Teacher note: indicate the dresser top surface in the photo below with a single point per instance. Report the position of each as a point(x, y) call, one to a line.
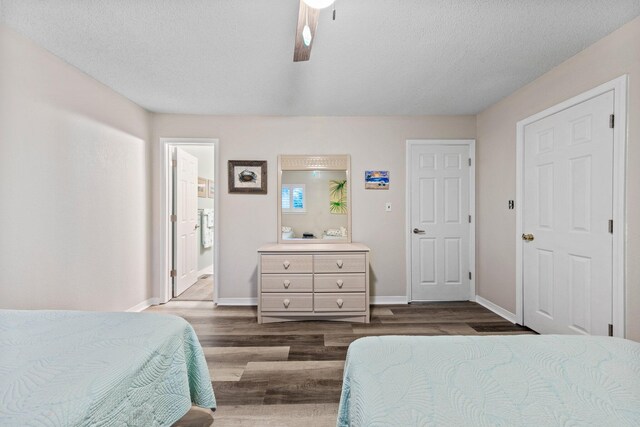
point(314, 247)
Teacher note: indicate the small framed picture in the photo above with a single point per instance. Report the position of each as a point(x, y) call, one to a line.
point(202, 187)
point(210, 188)
point(376, 180)
point(248, 176)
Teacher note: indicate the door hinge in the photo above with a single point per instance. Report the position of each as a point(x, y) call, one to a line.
point(611, 226)
point(469, 161)
point(174, 163)
point(173, 218)
point(469, 275)
point(173, 273)
point(612, 121)
point(469, 219)
point(610, 330)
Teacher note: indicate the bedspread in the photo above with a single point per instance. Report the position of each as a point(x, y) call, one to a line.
point(491, 381)
point(70, 368)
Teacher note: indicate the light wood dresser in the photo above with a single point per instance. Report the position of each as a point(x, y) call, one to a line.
point(313, 281)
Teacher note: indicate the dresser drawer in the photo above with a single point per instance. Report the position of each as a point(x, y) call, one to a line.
point(340, 282)
point(287, 283)
point(339, 302)
point(339, 263)
point(286, 263)
point(287, 302)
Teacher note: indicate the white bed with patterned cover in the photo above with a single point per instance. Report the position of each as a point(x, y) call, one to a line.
point(522, 380)
point(71, 368)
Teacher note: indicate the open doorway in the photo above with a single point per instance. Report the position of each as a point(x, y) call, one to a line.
point(190, 203)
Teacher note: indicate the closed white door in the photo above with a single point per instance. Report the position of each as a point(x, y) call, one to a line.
point(186, 224)
point(440, 222)
point(568, 200)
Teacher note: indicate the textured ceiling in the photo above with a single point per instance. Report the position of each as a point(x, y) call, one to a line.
point(380, 57)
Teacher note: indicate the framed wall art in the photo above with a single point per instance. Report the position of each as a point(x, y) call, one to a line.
point(376, 180)
point(202, 187)
point(248, 176)
point(210, 188)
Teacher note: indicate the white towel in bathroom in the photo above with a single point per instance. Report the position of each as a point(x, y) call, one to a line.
point(209, 214)
point(207, 228)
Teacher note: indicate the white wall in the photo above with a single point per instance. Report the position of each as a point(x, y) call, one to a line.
point(74, 187)
point(611, 57)
point(206, 170)
point(249, 221)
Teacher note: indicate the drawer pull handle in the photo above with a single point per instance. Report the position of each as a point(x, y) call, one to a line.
point(339, 283)
point(286, 284)
point(286, 303)
point(339, 302)
point(339, 263)
point(286, 264)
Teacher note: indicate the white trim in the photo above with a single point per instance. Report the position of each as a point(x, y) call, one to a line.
point(496, 309)
point(384, 300)
point(206, 270)
point(164, 284)
point(143, 305)
point(238, 301)
point(472, 206)
point(619, 87)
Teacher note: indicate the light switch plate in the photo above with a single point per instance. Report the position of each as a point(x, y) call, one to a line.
point(387, 207)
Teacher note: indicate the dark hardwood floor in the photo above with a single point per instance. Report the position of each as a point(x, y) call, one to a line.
point(290, 374)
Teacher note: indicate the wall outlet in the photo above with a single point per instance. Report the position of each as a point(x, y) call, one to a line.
point(387, 207)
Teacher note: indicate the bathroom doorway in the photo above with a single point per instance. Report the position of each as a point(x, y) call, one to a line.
point(191, 249)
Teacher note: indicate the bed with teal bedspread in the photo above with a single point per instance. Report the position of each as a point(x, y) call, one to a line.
point(522, 380)
point(70, 368)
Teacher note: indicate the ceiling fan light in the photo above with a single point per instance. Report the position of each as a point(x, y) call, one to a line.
point(306, 35)
point(318, 4)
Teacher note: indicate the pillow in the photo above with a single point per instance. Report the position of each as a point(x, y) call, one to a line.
point(334, 232)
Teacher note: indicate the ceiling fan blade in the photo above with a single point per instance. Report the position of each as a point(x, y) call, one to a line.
point(306, 16)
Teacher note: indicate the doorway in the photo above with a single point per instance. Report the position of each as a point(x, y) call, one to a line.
point(570, 212)
point(190, 201)
point(441, 220)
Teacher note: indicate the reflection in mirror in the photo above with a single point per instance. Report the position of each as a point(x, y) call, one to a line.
point(314, 204)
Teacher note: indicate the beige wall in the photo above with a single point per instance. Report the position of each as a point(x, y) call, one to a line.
point(249, 221)
point(74, 187)
point(611, 57)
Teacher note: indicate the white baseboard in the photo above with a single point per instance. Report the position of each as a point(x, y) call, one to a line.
point(144, 304)
point(496, 309)
point(388, 300)
point(237, 301)
point(206, 270)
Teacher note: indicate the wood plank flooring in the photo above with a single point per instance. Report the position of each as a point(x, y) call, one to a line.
point(290, 374)
point(202, 290)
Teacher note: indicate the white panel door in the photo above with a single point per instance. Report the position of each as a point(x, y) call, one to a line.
point(440, 222)
point(567, 205)
point(186, 225)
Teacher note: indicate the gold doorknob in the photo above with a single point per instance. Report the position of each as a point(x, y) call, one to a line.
point(527, 237)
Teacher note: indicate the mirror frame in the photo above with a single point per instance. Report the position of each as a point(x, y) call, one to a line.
point(336, 162)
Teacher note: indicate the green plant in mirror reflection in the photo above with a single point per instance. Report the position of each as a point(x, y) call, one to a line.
point(338, 196)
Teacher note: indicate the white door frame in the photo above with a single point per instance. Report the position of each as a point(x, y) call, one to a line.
point(166, 196)
point(472, 207)
point(619, 87)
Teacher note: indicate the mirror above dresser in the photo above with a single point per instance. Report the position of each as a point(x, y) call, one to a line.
point(314, 199)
